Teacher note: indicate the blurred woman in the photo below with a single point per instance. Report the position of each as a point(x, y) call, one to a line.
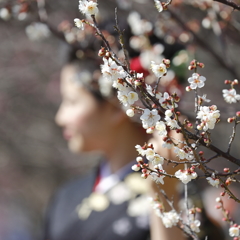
point(109, 202)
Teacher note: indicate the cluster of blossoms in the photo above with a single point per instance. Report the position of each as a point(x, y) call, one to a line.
point(170, 218)
point(208, 117)
point(159, 113)
point(186, 175)
point(155, 159)
point(194, 223)
point(184, 153)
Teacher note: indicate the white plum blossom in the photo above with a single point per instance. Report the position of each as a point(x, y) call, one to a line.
point(234, 231)
point(230, 95)
point(168, 113)
point(140, 150)
point(78, 23)
point(127, 97)
point(112, 71)
point(165, 102)
point(88, 7)
point(170, 219)
point(194, 225)
point(208, 117)
point(213, 181)
point(196, 81)
point(149, 118)
point(184, 153)
point(150, 154)
point(185, 175)
point(161, 127)
point(158, 177)
point(172, 123)
point(158, 5)
point(180, 153)
point(149, 89)
point(157, 160)
point(158, 69)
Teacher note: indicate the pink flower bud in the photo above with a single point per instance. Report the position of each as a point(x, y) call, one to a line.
point(226, 170)
point(230, 120)
point(238, 113)
point(102, 52)
point(222, 194)
point(227, 82)
point(144, 176)
point(166, 61)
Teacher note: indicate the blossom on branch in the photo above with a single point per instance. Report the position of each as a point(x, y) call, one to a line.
point(158, 69)
point(161, 127)
point(234, 231)
point(158, 177)
point(112, 71)
point(230, 95)
point(213, 181)
point(149, 118)
point(79, 24)
point(208, 117)
point(127, 97)
point(158, 5)
point(170, 219)
point(88, 7)
point(196, 81)
point(186, 175)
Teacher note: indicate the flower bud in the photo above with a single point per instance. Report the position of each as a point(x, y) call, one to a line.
point(108, 54)
point(227, 82)
point(238, 113)
point(135, 167)
point(189, 125)
point(166, 61)
point(139, 160)
point(144, 176)
point(102, 52)
point(230, 120)
point(228, 181)
point(218, 206)
point(188, 89)
point(222, 194)
point(226, 170)
point(137, 82)
point(201, 65)
point(150, 130)
point(130, 112)
point(235, 82)
point(218, 199)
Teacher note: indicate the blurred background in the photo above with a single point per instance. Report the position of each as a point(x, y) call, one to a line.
point(34, 158)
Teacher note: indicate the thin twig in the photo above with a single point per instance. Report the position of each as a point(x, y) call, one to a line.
point(229, 3)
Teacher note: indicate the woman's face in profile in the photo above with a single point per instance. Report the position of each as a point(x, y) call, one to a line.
point(83, 119)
